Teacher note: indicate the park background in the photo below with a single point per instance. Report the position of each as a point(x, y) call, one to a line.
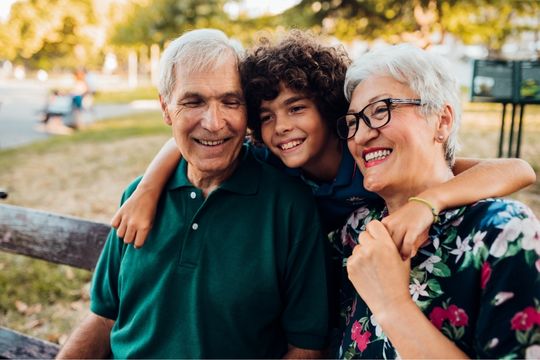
point(83, 174)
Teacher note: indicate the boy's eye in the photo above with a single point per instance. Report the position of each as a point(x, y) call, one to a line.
point(297, 108)
point(265, 117)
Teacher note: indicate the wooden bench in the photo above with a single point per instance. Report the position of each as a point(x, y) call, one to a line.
point(51, 237)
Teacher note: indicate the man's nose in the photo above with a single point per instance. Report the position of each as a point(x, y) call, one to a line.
point(213, 119)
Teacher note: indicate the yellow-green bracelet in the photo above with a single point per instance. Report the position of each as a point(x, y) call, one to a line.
point(428, 204)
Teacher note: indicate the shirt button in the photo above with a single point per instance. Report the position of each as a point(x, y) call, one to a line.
point(195, 226)
point(193, 195)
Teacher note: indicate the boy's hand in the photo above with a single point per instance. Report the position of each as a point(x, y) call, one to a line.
point(135, 218)
point(409, 227)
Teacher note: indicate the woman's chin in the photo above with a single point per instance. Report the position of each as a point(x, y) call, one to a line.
point(373, 186)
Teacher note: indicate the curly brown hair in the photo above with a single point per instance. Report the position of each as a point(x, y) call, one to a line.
point(301, 64)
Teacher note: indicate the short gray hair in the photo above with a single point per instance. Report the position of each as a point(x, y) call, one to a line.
point(425, 73)
point(196, 50)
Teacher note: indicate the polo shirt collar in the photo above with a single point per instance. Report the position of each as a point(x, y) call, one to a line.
point(244, 180)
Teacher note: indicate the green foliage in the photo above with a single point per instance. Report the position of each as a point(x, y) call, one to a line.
point(162, 20)
point(488, 22)
point(49, 33)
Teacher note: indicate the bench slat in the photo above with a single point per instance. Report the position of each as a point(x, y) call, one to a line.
point(55, 238)
point(14, 345)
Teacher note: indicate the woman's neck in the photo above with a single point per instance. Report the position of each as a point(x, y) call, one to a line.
point(397, 197)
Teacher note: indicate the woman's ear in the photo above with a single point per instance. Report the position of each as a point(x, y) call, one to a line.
point(165, 111)
point(445, 123)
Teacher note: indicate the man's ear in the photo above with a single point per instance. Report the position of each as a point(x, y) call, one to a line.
point(445, 122)
point(165, 111)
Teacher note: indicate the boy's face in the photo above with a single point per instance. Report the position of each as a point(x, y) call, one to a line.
point(294, 130)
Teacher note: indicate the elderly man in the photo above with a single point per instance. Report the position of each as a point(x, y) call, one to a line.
point(234, 268)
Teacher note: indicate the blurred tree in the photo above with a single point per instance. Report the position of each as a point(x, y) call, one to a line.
point(426, 22)
point(161, 20)
point(49, 33)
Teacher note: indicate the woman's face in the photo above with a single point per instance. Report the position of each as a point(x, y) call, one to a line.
point(398, 156)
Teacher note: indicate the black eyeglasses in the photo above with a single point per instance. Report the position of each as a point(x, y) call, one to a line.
point(375, 115)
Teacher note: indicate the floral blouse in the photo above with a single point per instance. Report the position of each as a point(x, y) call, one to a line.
point(477, 280)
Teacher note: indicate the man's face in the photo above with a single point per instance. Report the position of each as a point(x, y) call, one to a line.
point(208, 118)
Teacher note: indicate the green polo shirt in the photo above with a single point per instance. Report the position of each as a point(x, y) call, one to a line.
point(239, 274)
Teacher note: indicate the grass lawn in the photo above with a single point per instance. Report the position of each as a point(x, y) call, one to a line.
point(84, 174)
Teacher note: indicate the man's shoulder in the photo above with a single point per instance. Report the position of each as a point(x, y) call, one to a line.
point(130, 189)
point(275, 179)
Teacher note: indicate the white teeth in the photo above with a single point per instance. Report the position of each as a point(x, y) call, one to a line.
point(291, 144)
point(211, 143)
point(377, 155)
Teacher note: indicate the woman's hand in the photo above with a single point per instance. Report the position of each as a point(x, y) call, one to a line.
point(409, 227)
point(377, 271)
point(135, 218)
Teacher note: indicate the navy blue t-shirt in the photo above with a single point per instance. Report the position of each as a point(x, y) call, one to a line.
point(336, 199)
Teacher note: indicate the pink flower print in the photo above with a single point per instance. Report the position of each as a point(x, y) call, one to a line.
point(437, 316)
point(537, 264)
point(524, 320)
point(361, 339)
point(356, 330)
point(486, 274)
point(347, 240)
point(457, 316)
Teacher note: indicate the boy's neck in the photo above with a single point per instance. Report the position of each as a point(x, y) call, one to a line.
point(325, 168)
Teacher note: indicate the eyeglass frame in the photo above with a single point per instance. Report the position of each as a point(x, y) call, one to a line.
point(360, 114)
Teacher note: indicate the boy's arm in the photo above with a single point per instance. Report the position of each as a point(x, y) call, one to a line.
point(91, 340)
point(474, 180)
point(135, 217)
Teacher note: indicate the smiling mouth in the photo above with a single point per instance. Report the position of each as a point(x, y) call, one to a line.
point(377, 155)
point(210, 142)
point(290, 145)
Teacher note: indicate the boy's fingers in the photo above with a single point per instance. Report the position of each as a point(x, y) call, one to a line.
point(115, 222)
point(130, 235)
point(121, 230)
point(140, 238)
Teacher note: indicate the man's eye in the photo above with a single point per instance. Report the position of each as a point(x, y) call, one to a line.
point(234, 104)
point(192, 103)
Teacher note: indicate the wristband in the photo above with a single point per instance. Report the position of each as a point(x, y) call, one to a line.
point(428, 204)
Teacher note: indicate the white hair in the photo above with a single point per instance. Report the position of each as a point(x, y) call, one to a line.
point(196, 50)
point(425, 73)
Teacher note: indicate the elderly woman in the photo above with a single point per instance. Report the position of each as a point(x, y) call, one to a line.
point(473, 288)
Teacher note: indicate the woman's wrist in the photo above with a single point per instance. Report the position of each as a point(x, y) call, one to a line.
point(434, 198)
point(392, 313)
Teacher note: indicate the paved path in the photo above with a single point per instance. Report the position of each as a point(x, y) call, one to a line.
point(20, 106)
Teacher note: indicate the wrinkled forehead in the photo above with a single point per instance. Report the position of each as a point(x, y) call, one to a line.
point(221, 76)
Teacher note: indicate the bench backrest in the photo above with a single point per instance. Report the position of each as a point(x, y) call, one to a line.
point(56, 238)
